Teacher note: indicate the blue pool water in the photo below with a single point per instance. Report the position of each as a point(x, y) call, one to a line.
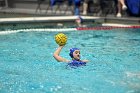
point(27, 64)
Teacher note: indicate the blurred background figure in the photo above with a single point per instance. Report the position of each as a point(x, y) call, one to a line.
point(85, 7)
point(134, 7)
point(79, 21)
point(77, 4)
point(121, 6)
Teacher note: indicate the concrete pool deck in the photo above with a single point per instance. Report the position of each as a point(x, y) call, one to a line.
point(59, 19)
point(45, 19)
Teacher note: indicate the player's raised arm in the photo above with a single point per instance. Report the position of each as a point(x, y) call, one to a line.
point(61, 40)
point(57, 56)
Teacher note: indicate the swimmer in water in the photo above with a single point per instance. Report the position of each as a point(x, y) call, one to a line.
point(74, 54)
point(79, 21)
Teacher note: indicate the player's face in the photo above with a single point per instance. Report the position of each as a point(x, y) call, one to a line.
point(76, 54)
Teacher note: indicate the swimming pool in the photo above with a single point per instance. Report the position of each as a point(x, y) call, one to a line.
point(27, 64)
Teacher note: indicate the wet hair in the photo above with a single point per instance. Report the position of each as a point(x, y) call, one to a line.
point(71, 51)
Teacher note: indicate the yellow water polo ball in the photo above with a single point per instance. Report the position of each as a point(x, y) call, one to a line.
point(61, 39)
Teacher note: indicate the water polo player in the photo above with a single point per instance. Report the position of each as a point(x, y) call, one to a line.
point(74, 54)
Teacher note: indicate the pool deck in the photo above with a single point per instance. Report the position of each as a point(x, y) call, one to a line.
point(60, 19)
